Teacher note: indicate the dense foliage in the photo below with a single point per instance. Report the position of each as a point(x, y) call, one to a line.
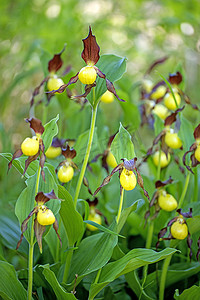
point(101, 139)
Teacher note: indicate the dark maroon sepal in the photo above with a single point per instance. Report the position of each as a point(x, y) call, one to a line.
point(160, 183)
point(17, 154)
point(172, 118)
point(197, 132)
point(175, 78)
point(45, 197)
point(111, 89)
point(91, 49)
point(29, 160)
point(24, 225)
point(56, 62)
point(36, 125)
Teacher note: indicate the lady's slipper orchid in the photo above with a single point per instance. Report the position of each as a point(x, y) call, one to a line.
point(43, 216)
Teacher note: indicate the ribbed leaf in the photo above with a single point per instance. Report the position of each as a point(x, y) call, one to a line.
point(93, 253)
point(192, 293)
point(122, 146)
point(72, 220)
point(132, 260)
point(10, 286)
point(61, 294)
point(51, 130)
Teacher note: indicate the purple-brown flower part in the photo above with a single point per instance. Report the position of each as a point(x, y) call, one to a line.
point(156, 63)
point(129, 165)
point(175, 78)
point(56, 62)
point(41, 198)
point(172, 118)
point(36, 125)
point(69, 152)
point(91, 49)
point(24, 225)
point(193, 147)
point(160, 183)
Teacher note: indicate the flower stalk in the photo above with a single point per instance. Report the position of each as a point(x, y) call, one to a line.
point(87, 154)
point(31, 245)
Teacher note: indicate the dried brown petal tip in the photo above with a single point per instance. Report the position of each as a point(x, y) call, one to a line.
point(56, 62)
point(91, 49)
point(36, 125)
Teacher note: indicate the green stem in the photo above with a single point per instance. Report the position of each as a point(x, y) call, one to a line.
point(195, 199)
point(163, 277)
point(98, 275)
point(187, 180)
point(31, 245)
point(120, 205)
point(148, 246)
point(87, 154)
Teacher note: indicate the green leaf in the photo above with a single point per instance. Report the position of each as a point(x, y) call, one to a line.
point(125, 213)
point(61, 294)
point(113, 67)
point(175, 273)
point(122, 146)
point(102, 228)
point(158, 125)
point(186, 133)
point(194, 224)
point(72, 220)
point(19, 164)
point(132, 260)
point(131, 114)
point(134, 284)
point(93, 253)
point(10, 286)
point(51, 130)
point(10, 233)
point(81, 145)
point(191, 293)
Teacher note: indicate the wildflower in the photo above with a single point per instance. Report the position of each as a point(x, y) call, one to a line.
point(87, 75)
point(66, 167)
point(178, 229)
point(32, 147)
point(43, 217)
point(127, 176)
